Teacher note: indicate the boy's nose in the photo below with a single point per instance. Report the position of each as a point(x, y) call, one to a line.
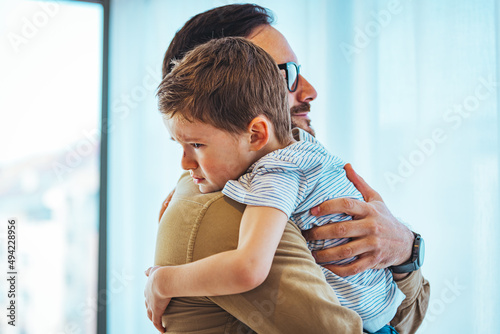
point(188, 163)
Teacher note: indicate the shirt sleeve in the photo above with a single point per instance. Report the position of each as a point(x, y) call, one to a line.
point(281, 188)
point(411, 312)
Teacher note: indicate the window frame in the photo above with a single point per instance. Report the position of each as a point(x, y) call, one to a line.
point(103, 174)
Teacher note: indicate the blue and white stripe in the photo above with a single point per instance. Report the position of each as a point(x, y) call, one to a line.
point(294, 180)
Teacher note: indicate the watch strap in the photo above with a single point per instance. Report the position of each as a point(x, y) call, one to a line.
point(413, 263)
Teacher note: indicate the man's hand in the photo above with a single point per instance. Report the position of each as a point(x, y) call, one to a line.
point(155, 302)
point(378, 239)
point(165, 204)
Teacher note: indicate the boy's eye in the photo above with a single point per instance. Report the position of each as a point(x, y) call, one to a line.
point(196, 145)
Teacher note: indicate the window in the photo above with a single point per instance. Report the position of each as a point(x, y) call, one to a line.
point(50, 102)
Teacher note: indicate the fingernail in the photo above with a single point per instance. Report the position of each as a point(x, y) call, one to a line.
point(315, 210)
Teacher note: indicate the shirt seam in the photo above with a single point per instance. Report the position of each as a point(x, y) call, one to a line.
point(196, 226)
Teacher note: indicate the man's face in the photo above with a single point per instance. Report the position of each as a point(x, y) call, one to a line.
point(211, 156)
point(277, 46)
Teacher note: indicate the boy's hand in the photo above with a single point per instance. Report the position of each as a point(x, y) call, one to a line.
point(155, 302)
point(378, 239)
point(165, 204)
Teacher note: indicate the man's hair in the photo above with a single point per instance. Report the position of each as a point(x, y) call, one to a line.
point(226, 83)
point(226, 21)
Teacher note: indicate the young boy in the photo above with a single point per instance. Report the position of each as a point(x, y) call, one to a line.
point(226, 104)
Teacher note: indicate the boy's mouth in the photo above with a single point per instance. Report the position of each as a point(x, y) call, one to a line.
point(197, 179)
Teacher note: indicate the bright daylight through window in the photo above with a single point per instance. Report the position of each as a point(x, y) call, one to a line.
point(50, 102)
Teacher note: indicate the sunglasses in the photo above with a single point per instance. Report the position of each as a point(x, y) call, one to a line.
point(292, 71)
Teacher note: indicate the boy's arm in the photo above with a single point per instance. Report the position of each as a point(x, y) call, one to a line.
point(230, 272)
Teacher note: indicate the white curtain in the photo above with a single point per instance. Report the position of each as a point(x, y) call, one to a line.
point(407, 92)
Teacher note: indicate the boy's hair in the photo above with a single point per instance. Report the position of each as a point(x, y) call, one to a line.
point(226, 83)
point(226, 21)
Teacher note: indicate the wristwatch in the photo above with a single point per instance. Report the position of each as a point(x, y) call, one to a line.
point(417, 257)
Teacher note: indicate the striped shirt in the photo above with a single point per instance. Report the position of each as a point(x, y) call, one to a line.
point(294, 180)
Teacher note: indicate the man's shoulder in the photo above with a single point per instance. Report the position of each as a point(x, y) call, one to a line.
point(211, 206)
point(196, 225)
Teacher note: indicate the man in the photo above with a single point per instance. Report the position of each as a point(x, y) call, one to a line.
point(295, 298)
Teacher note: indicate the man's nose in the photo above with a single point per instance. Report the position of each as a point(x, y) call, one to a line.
point(187, 162)
point(305, 91)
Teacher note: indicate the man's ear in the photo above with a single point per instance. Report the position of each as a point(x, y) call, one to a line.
point(259, 133)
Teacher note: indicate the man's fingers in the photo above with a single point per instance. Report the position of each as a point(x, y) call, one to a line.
point(368, 193)
point(342, 252)
point(349, 206)
point(165, 204)
point(353, 268)
point(148, 271)
point(345, 229)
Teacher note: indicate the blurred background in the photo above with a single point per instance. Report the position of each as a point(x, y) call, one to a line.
point(410, 87)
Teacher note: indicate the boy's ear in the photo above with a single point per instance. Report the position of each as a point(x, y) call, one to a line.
point(259, 133)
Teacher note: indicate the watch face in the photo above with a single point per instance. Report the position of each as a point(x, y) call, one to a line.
point(421, 253)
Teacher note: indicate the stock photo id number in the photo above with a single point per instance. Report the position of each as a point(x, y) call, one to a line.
point(11, 272)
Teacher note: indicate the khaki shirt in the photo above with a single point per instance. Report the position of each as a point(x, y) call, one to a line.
point(295, 297)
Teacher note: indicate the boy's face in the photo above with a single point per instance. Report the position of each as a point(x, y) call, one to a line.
point(211, 155)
